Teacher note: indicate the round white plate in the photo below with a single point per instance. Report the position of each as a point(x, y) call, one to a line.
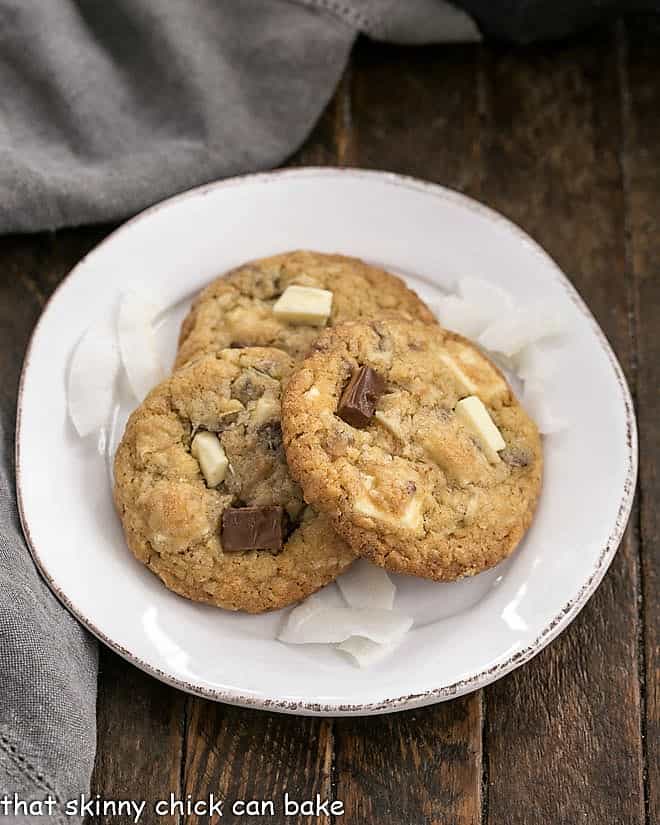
point(466, 634)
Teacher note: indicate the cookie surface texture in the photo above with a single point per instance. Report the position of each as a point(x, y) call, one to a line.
point(173, 518)
point(236, 309)
point(419, 489)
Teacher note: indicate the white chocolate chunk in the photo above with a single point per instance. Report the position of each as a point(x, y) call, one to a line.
point(266, 409)
point(410, 519)
point(412, 515)
point(483, 379)
point(231, 405)
point(450, 447)
point(476, 418)
point(213, 462)
point(366, 505)
point(389, 422)
point(464, 380)
point(304, 305)
point(312, 392)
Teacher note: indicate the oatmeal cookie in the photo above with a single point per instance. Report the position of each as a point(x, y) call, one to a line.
point(237, 308)
point(411, 441)
point(204, 493)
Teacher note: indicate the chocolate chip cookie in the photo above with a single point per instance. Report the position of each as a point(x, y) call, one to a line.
point(204, 493)
point(411, 441)
point(285, 300)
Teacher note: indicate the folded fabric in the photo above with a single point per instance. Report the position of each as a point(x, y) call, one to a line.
point(47, 670)
point(110, 107)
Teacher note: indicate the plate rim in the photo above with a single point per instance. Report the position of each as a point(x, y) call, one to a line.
point(478, 680)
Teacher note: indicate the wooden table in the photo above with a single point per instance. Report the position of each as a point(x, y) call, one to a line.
point(565, 140)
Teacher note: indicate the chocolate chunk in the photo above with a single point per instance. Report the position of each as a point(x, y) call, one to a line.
point(253, 528)
point(358, 401)
point(270, 436)
point(515, 457)
point(245, 389)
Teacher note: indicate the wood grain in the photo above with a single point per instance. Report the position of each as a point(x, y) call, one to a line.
point(252, 756)
point(31, 266)
point(562, 735)
point(140, 739)
point(21, 302)
point(415, 111)
point(329, 142)
point(421, 766)
point(641, 164)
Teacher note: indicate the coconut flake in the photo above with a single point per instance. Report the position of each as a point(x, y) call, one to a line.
point(365, 585)
point(328, 625)
point(460, 316)
point(535, 364)
point(492, 301)
point(508, 335)
point(534, 400)
point(137, 343)
point(487, 313)
point(328, 597)
point(364, 652)
point(92, 375)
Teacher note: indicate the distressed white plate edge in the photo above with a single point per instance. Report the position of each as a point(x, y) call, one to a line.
point(414, 700)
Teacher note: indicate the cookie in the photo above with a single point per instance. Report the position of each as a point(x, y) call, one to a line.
point(410, 440)
point(237, 309)
point(204, 493)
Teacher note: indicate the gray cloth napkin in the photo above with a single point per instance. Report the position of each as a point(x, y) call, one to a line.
point(105, 108)
point(47, 670)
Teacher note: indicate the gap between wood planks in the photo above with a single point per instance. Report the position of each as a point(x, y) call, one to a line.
point(637, 44)
point(621, 45)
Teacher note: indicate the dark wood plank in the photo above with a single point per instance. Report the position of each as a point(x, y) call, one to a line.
point(329, 144)
point(421, 767)
point(61, 251)
point(641, 163)
point(248, 754)
point(140, 739)
point(251, 757)
point(563, 731)
point(21, 302)
point(415, 111)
